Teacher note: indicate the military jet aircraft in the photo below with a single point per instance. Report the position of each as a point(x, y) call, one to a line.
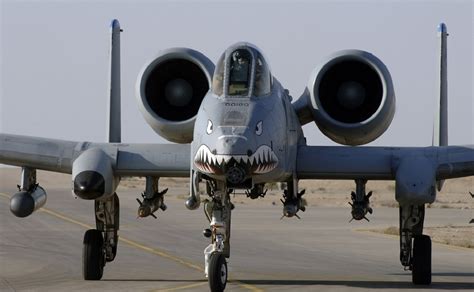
point(237, 128)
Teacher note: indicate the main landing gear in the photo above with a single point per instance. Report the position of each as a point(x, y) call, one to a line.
point(415, 247)
point(100, 244)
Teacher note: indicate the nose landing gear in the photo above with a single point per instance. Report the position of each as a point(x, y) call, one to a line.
point(218, 212)
point(217, 274)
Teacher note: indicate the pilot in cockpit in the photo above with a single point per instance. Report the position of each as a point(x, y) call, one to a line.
point(240, 63)
point(239, 66)
point(239, 73)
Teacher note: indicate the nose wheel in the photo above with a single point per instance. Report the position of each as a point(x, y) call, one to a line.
point(218, 212)
point(217, 272)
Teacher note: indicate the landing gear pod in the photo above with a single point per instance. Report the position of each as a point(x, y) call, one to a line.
point(93, 175)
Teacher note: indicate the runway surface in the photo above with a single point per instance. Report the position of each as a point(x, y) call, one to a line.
point(321, 252)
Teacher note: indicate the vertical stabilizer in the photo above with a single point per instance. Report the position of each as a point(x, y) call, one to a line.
point(114, 119)
point(440, 129)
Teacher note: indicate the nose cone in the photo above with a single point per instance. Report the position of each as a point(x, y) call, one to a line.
point(144, 211)
point(89, 185)
point(232, 145)
point(22, 204)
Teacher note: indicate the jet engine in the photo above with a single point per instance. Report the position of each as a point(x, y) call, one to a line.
point(351, 97)
point(170, 90)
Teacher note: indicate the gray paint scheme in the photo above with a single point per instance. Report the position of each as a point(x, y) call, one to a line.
point(242, 142)
point(281, 132)
point(128, 159)
point(114, 120)
point(440, 129)
point(182, 131)
point(309, 106)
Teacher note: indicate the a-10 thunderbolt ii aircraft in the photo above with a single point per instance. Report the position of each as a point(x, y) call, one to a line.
point(237, 128)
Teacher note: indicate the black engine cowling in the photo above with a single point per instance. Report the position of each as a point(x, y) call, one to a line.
point(170, 90)
point(351, 97)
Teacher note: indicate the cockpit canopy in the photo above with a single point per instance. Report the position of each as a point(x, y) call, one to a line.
point(242, 72)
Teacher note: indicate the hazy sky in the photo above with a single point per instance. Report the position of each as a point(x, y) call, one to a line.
point(54, 57)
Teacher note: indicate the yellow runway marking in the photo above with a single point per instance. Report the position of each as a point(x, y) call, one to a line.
point(182, 287)
point(70, 220)
point(148, 249)
point(4, 195)
point(249, 287)
point(161, 253)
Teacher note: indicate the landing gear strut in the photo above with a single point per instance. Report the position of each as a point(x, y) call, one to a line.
point(415, 248)
point(100, 244)
point(218, 212)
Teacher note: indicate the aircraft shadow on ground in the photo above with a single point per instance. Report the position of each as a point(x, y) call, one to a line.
point(356, 284)
point(363, 284)
point(443, 274)
point(156, 280)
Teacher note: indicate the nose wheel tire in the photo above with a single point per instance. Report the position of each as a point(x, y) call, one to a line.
point(217, 275)
point(93, 258)
point(421, 265)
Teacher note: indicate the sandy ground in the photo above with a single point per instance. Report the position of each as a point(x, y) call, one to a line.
point(320, 193)
point(320, 252)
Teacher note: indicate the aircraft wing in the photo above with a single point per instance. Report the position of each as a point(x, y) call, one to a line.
point(163, 160)
point(383, 163)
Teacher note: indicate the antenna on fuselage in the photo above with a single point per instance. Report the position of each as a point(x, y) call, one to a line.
point(114, 107)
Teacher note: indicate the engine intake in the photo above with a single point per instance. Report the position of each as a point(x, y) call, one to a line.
point(170, 90)
point(352, 97)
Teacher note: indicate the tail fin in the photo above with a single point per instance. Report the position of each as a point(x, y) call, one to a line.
point(114, 119)
point(440, 129)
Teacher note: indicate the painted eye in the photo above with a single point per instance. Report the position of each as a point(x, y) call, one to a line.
point(209, 127)
point(259, 128)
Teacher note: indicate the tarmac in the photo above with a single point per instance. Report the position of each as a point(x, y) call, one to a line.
point(320, 252)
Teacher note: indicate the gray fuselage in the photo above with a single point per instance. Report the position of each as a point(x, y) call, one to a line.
point(256, 137)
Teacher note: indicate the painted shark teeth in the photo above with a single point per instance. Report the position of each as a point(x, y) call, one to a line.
point(262, 161)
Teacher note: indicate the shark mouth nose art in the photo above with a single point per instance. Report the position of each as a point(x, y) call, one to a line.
point(262, 161)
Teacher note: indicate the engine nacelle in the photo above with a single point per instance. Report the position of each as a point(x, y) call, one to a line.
point(93, 176)
point(170, 90)
point(24, 203)
point(352, 99)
